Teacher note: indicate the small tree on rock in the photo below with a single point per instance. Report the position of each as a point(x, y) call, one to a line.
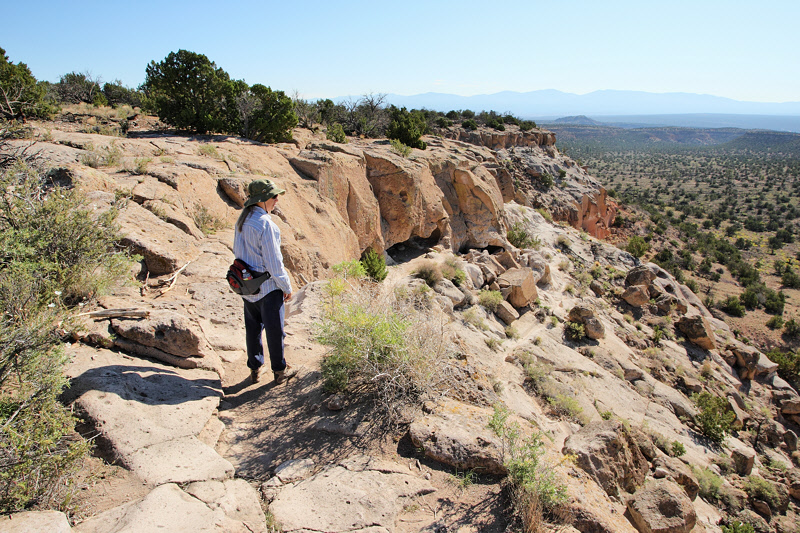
point(408, 127)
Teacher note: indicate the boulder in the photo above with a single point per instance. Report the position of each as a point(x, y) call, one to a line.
point(608, 454)
point(522, 285)
point(680, 473)
point(697, 330)
point(474, 274)
point(741, 415)
point(636, 295)
point(541, 268)
point(448, 289)
point(457, 434)
point(639, 276)
point(660, 506)
point(349, 496)
point(506, 312)
point(592, 325)
point(793, 482)
point(35, 521)
point(743, 460)
point(167, 331)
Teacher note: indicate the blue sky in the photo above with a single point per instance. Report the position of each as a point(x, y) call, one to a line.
point(736, 49)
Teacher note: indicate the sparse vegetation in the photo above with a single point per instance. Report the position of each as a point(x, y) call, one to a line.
point(52, 245)
point(535, 487)
point(430, 272)
point(382, 346)
point(520, 238)
point(490, 299)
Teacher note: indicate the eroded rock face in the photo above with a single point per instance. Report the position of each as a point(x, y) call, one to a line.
point(608, 454)
point(164, 247)
point(697, 330)
point(167, 331)
point(680, 473)
point(661, 506)
point(636, 295)
point(457, 434)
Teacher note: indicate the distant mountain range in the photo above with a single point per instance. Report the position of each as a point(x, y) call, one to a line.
point(695, 110)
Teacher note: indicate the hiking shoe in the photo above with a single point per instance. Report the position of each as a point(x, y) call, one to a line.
point(255, 375)
point(285, 374)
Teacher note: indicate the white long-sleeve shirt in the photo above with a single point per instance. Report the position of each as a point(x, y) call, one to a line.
point(259, 245)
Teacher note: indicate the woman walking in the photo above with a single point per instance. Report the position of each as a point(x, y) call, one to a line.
point(257, 242)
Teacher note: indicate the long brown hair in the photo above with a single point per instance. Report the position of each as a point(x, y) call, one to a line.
point(242, 217)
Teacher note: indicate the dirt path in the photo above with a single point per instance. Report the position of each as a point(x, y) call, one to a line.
point(268, 424)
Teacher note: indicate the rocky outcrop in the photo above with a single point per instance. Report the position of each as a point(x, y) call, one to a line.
point(499, 140)
point(222, 508)
point(660, 506)
point(608, 454)
point(697, 331)
point(585, 315)
point(457, 434)
point(151, 415)
point(518, 286)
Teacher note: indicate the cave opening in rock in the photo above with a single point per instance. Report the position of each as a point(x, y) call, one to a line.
point(413, 247)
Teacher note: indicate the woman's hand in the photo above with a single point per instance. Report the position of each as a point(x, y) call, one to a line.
point(287, 297)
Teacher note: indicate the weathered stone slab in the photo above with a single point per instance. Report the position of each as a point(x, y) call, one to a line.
point(235, 497)
point(457, 434)
point(137, 403)
point(34, 522)
point(339, 499)
point(181, 460)
point(166, 508)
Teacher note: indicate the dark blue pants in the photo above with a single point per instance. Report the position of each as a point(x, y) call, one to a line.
point(265, 314)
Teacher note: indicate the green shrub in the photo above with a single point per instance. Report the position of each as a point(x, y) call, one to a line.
point(56, 252)
point(738, 527)
point(715, 418)
point(350, 269)
point(788, 364)
point(709, 483)
point(26, 95)
point(546, 180)
point(526, 125)
point(490, 299)
point(758, 488)
point(776, 322)
point(408, 127)
point(336, 134)
point(430, 272)
point(733, 306)
point(637, 246)
point(452, 270)
point(677, 449)
point(520, 238)
point(190, 92)
point(470, 125)
point(399, 148)
point(374, 265)
point(535, 487)
point(574, 330)
point(382, 347)
point(791, 328)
